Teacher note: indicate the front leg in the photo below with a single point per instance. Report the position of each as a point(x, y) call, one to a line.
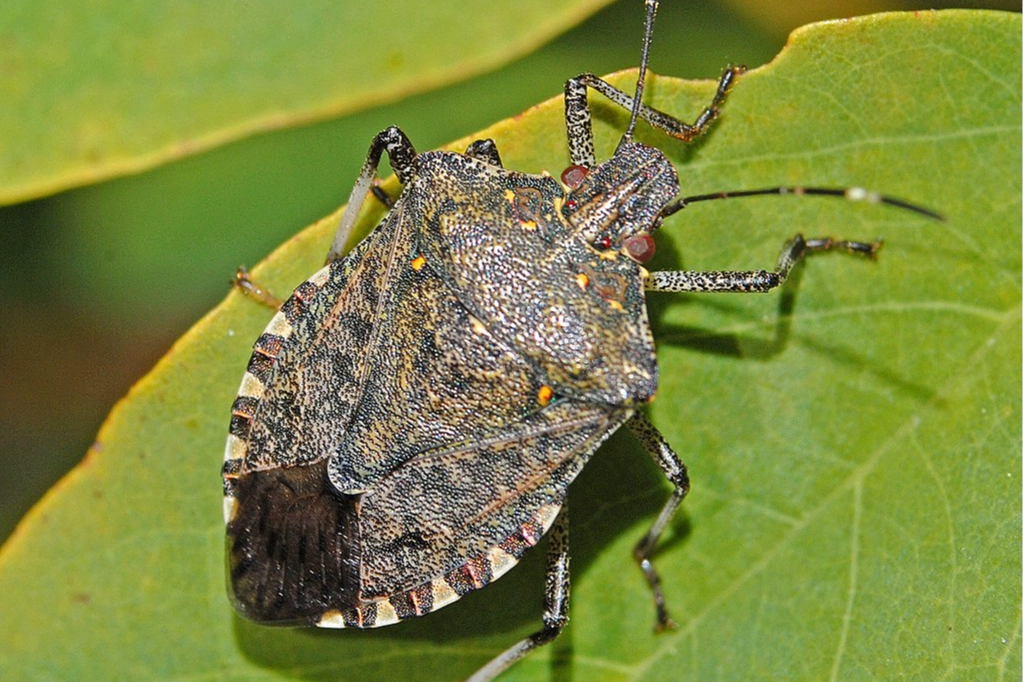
point(243, 282)
point(400, 153)
point(578, 119)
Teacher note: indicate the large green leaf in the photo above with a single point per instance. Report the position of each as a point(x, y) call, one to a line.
point(855, 453)
point(101, 88)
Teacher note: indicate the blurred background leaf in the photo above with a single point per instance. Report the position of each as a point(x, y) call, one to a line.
point(104, 88)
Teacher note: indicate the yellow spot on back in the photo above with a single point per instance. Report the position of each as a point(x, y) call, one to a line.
point(418, 263)
point(544, 395)
point(582, 280)
point(509, 195)
point(477, 325)
point(528, 224)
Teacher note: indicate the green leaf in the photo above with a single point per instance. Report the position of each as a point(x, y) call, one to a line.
point(854, 442)
point(102, 88)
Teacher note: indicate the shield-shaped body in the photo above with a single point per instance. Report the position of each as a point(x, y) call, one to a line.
point(412, 416)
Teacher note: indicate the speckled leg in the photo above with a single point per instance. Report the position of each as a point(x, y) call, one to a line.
point(675, 470)
point(579, 124)
point(754, 281)
point(380, 195)
point(244, 283)
point(400, 153)
point(555, 613)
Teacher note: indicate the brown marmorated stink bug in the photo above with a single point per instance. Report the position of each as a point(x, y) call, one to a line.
point(414, 413)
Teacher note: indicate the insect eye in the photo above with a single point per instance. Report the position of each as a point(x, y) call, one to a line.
point(639, 247)
point(574, 175)
point(603, 243)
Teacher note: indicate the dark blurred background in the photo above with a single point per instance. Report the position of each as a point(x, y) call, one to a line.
point(99, 281)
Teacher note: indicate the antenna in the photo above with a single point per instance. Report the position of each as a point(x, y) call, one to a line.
point(847, 193)
point(648, 34)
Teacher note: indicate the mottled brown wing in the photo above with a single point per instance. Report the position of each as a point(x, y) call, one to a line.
point(308, 369)
point(432, 515)
point(434, 528)
point(292, 539)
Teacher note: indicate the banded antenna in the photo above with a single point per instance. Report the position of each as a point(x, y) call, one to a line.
point(648, 34)
point(847, 193)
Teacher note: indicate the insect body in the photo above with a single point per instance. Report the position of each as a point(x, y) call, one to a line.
point(452, 422)
point(414, 413)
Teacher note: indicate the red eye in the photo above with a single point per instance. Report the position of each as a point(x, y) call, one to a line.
point(639, 247)
point(574, 175)
point(603, 243)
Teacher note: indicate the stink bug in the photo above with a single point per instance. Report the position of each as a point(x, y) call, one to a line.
point(414, 413)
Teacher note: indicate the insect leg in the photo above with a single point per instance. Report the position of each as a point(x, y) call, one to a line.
point(383, 197)
point(675, 470)
point(400, 153)
point(755, 281)
point(579, 124)
point(243, 281)
point(484, 150)
point(555, 612)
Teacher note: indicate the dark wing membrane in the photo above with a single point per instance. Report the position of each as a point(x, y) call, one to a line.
point(435, 513)
point(293, 546)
